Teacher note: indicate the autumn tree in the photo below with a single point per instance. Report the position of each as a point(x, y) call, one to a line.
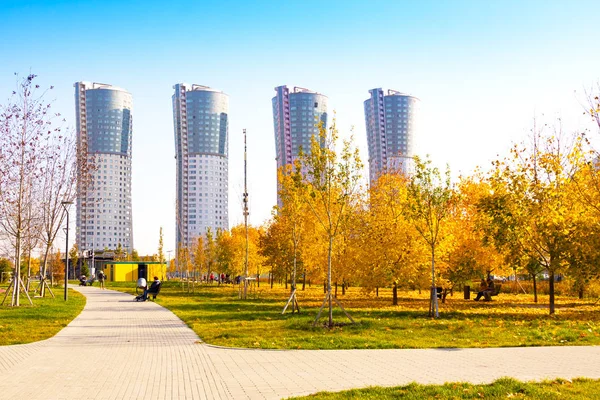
point(211, 251)
point(276, 248)
point(331, 183)
point(120, 253)
point(199, 259)
point(429, 198)
point(533, 206)
point(469, 252)
point(56, 267)
point(291, 215)
point(390, 250)
point(232, 251)
point(5, 267)
point(161, 254)
point(74, 256)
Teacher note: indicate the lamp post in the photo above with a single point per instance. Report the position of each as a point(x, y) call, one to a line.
point(66, 205)
point(169, 256)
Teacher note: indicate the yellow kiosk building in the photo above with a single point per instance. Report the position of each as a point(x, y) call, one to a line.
point(131, 271)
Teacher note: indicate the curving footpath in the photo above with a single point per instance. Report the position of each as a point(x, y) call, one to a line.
point(120, 349)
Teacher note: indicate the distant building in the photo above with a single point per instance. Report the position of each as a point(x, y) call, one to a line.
point(390, 123)
point(296, 117)
point(201, 122)
point(104, 129)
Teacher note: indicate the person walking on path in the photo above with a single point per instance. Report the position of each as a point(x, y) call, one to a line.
point(101, 279)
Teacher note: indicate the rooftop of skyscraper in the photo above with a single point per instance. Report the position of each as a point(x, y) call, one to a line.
point(195, 87)
point(97, 85)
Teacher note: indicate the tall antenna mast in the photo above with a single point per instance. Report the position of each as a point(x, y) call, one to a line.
point(246, 216)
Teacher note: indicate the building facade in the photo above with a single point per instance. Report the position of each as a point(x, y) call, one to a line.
point(296, 118)
point(103, 116)
point(391, 122)
point(201, 123)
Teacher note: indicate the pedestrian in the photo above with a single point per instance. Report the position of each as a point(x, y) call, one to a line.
point(101, 279)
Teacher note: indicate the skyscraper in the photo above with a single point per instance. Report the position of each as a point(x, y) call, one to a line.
point(200, 118)
point(296, 117)
point(104, 129)
point(390, 121)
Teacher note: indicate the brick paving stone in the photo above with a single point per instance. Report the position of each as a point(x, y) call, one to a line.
point(119, 349)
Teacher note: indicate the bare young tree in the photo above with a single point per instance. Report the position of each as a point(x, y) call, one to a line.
point(25, 129)
point(62, 163)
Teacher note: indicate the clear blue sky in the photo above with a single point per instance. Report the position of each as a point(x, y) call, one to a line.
point(482, 70)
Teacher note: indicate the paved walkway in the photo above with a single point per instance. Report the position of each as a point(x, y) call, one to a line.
point(120, 349)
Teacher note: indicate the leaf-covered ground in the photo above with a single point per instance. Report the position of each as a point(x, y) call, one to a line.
point(217, 315)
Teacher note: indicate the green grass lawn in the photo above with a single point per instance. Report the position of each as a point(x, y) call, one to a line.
point(500, 389)
point(217, 315)
point(47, 316)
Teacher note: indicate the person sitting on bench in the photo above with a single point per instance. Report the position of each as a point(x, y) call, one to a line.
point(482, 288)
point(489, 292)
point(153, 289)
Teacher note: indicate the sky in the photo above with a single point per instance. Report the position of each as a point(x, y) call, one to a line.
point(482, 70)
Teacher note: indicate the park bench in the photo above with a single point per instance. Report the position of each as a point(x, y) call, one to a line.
point(155, 293)
point(488, 295)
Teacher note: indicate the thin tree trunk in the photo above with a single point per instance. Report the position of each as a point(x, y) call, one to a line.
point(44, 271)
point(343, 288)
point(304, 280)
point(336, 285)
point(551, 290)
point(272, 279)
point(377, 291)
point(535, 299)
point(395, 294)
point(329, 280)
point(15, 294)
point(28, 270)
point(434, 303)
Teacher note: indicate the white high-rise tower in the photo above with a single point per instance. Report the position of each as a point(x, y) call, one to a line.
point(200, 118)
point(390, 121)
point(104, 130)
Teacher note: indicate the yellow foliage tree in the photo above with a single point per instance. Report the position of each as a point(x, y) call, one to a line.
point(389, 246)
point(331, 182)
point(429, 199)
point(468, 252)
point(533, 205)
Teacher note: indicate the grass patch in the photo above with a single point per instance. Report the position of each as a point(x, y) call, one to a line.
point(219, 317)
point(502, 388)
point(47, 316)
